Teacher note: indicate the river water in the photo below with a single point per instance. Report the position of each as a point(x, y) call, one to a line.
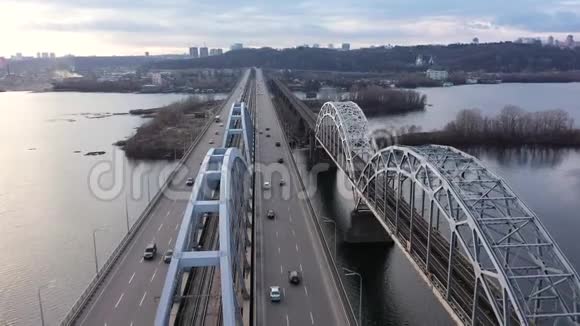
point(51, 200)
point(547, 180)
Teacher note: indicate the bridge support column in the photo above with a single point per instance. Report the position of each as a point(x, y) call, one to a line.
point(365, 228)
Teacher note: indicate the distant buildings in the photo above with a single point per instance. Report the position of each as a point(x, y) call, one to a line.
point(437, 74)
point(330, 46)
point(316, 45)
point(147, 53)
point(203, 52)
point(570, 41)
point(528, 40)
point(421, 61)
point(475, 40)
point(194, 52)
point(236, 46)
point(45, 55)
point(345, 47)
point(213, 52)
point(550, 41)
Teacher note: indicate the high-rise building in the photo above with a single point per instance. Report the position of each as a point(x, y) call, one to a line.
point(550, 41)
point(52, 55)
point(219, 51)
point(45, 55)
point(203, 52)
point(345, 47)
point(330, 46)
point(236, 46)
point(570, 41)
point(38, 55)
point(212, 52)
point(316, 45)
point(194, 52)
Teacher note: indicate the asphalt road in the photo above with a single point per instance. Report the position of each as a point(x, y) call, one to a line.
point(288, 242)
point(129, 294)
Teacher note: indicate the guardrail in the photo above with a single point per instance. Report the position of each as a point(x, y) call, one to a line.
point(327, 252)
point(97, 280)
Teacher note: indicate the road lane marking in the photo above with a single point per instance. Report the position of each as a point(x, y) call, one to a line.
point(152, 277)
point(119, 301)
point(276, 234)
point(287, 321)
point(142, 299)
point(278, 250)
point(169, 243)
point(141, 261)
point(131, 324)
point(296, 247)
point(168, 212)
point(301, 268)
point(160, 226)
point(281, 269)
point(177, 226)
point(311, 318)
point(290, 218)
point(131, 279)
point(306, 290)
point(293, 233)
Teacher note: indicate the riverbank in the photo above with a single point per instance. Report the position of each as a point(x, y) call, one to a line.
point(170, 131)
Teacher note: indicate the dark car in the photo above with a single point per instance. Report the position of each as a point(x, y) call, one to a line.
point(280, 160)
point(268, 135)
point(150, 251)
point(294, 277)
point(277, 144)
point(189, 182)
point(271, 214)
point(267, 129)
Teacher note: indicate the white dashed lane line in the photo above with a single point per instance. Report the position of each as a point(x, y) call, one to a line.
point(119, 301)
point(311, 318)
point(142, 299)
point(160, 226)
point(154, 273)
point(131, 279)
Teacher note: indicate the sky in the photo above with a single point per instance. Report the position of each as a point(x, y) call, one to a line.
point(131, 27)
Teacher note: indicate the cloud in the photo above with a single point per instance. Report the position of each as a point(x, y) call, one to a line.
point(133, 26)
point(558, 22)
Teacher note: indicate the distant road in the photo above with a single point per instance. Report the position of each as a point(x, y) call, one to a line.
point(288, 242)
point(129, 294)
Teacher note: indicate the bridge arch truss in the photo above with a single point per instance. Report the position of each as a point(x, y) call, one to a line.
point(342, 128)
point(500, 266)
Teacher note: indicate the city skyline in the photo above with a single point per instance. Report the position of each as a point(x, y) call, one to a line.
point(94, 27)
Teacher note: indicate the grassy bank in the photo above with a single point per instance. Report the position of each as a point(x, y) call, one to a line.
point(170, 131)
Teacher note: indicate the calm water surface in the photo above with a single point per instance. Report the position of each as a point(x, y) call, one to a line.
point(48, 209)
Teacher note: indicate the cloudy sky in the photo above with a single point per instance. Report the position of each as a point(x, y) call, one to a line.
point(105, 27)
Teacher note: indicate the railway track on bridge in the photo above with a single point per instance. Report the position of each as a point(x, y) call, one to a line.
point(201, 304)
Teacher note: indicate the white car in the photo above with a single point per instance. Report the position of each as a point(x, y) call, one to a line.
point(275, 294)
point(211, 141)
point(267, 185)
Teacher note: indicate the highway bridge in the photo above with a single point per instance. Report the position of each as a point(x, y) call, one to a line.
point(486, 255)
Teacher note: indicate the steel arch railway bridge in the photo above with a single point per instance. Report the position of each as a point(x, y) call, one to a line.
point(487, 255)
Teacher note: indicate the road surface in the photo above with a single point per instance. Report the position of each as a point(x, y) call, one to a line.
point(129, 294)
point(288, 242)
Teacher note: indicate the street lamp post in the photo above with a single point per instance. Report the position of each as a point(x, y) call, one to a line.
point(47, 285)
point(95, 249)
point(327, 220)
point(349, 272)
point(127, 213)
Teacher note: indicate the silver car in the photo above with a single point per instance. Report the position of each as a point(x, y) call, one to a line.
point(275, 294)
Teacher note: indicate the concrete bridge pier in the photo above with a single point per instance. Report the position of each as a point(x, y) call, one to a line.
point(364, 228)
